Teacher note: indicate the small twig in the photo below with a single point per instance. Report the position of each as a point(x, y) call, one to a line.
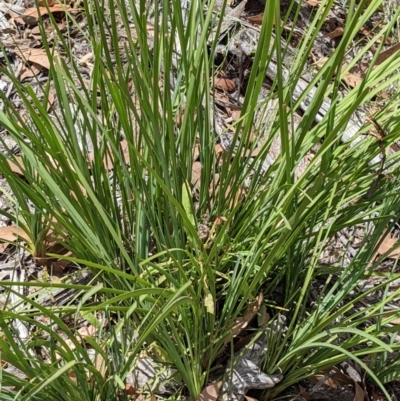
point(321, 382)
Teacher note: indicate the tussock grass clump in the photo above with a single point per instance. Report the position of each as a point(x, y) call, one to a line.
point(109, 173)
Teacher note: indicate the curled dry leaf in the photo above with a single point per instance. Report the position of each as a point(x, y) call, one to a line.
point(389, 245)
point(336, 33)
point(130, 390)
point(352, 80)
point(210, 393)
point(355, 76)
point(256, 19)
point(220, 220)
point(11, 234)
point(242, 322)
point(334, 380)
point(224, 84)
point(387, 53)
point(304, 393)
point(28, 72)
point(359, 392)
point(366, 32)
point(37, 56)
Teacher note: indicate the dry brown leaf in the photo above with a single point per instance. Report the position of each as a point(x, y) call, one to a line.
point(196, 150)
point(336, 380)
point(25, 20)
point(125, 150)
point(223, 97)
point(51, 245)
point(360, 69)
point(224, 84)
point(218, 149)
point(50, 100)
point(365, 31)
point(21, 44)
point(375, 396)
point(389, 244)
point(238, 197)
point(304, 393)
point(247, 398)
point(220, 220)
point(37, 56)
point(29, 72)
point(48, 29)
point(14, 167)
point(42, 11)
point(387, 53)
point(313, 3)
point(87, 58)
point(321, 62)
point(196, 174)
point(256, 19)
point(87, 331)
point(210, 393)
point(11, 234)
point(130, 390)
point(336, 33)
point(242, 322)
point(58, 266)
point(10, 31)
point(83, 332)
point(359, 392)
point(235, 114)
point(352, 80)
point(3, 247)
point(395, 320)
point(256, 152)
point(100, 364)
